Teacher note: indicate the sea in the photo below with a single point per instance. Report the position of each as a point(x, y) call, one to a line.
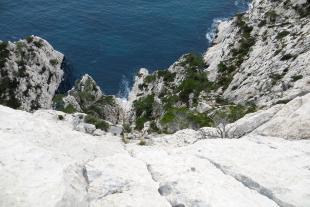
point(112, 39)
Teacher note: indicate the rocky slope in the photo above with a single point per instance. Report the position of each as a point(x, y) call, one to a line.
point(258, 59)
point(103, 111)
point(86, 96)
point(30, 73)
point(263, 55)
point(45, 162)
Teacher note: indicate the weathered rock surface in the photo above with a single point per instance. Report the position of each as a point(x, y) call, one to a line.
point(45, 162)
point(263, 55)
point(291, 122)
point(30, 73)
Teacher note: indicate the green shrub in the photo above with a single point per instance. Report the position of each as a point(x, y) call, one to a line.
point(296, 77)
point(4, 53)
point(195, 82)
point(244, 28)
point(140, 122)
point(98, 108)
point(225, 76)
point(7, 91)
point(106, 100)
point(193, 61)
point(127, 128)
point(282, 34)
point(169, 116)
point(239, 54)
point(201, 119)
point(69, 109)
point(144, 106)
point(238, 111)
point(29, 39)
point(144, 109)
point(38, 44)
point(53, 62)
point(150, 79)
point(233, 113)
point(220, 100)
point(185, 118)
point(20, 46)
point(99, 123)
point(228, 68)
point(58, 102)
point(167, 75)
point(169, 101)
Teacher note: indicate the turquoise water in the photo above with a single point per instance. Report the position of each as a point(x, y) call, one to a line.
point(111, 40)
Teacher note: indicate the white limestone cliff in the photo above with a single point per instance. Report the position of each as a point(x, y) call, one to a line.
point(30, 74)
point(277, 66)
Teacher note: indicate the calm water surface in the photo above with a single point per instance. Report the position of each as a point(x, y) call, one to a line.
point(112, 39)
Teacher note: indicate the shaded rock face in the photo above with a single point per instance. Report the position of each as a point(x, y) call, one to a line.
point(30, 73)
point(263, 55)
point(86, 96)
point(69, 77)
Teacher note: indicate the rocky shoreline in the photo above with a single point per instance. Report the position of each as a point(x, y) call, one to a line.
point(258, 59)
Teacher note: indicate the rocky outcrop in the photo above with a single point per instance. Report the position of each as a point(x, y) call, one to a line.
point(99, 112)
point(262, 55)
point(30, 73)
point(87, 97)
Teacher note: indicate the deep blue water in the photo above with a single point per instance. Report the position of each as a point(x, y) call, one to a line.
point(112, 39)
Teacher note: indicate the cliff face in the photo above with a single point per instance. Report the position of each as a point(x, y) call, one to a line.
point(263, 55)
point(30, 73)
point(49, 158)
point(258, 59)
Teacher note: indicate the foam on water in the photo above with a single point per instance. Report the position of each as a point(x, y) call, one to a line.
point(124, 88)
point(213, 30)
